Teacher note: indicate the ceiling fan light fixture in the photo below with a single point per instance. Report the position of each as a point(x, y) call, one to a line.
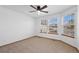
point(38, 12)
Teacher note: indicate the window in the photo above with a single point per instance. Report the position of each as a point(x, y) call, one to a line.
point(43, 26)
point(69, 25)
point(49, 26)
point(52, 24)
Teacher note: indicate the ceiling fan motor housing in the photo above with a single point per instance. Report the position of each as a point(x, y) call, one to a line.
point(38, 8)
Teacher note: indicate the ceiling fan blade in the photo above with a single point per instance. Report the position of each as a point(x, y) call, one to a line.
point(33, 6)
point(44, 11)
point(44, 7)
point(32, 11)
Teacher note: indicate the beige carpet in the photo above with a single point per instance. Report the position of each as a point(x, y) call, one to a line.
point(38, 44)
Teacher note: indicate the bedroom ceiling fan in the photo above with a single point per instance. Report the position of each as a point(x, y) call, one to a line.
point(38, 8)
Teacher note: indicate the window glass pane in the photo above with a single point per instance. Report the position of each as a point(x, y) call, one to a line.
point(52, 26)
point(69, 25)
point(43, 26)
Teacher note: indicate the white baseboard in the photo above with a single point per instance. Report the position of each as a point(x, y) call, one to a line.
point(9, 42)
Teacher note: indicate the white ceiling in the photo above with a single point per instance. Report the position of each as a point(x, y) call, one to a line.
point(26, 8)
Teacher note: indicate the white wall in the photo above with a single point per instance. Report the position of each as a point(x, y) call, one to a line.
point(71, 41)
point(14, 26)
point(77, 24)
